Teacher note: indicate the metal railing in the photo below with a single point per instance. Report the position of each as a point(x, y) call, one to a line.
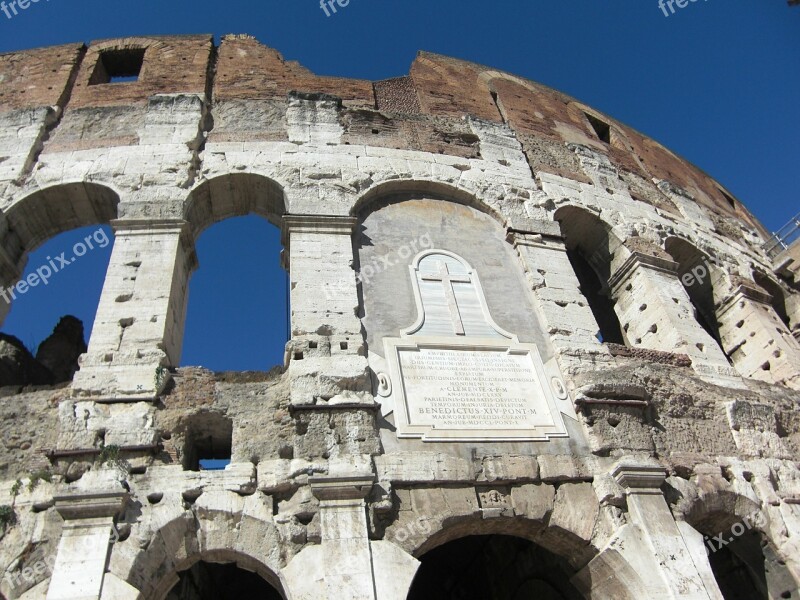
point(784, 237)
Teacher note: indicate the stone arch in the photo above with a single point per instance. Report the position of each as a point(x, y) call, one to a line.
point(595, 252)
point(742, 557)
point(49, 211)
point(560, 542)
point(234, 195)
point(572, 552)
point(247, 538)
point(389, 192)
point(705, 282)
point(786, 306)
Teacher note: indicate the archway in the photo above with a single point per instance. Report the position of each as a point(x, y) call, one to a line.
point(237, 315)
point(496, 567)
point(591, 246)
point(221, 581)
point(743, 560)
point(57, 245)
point(700, 278)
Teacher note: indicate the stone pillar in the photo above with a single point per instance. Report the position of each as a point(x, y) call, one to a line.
point(341, 567)
point(556, 290)
point(85, 543)
point(648, 511)
point(138, 329)
point(9, 275)
point(326, 355)
point(760, 344)
point(656, 313)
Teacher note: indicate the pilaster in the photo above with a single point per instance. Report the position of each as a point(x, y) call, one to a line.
point(760, 344)
point(85, 544)
point(656, 313)
point(138, 330)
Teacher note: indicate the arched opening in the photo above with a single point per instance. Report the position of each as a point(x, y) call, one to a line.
point(58, 244)
point(237, 314)
point(598, 298)
point(496, 567)
point(774, 289)
point(590, 249)
point(743, 561)
point(697, 274)
point(221, 581)
point(237, 311)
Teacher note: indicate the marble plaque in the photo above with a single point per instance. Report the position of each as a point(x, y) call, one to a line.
point(450, 391)
point(456, 375)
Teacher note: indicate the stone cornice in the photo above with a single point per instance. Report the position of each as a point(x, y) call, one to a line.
point(639, 477)
point(637, 259)
point(91, 505)
point(355, 487)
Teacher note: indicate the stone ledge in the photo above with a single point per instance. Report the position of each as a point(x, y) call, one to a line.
point(656, 356)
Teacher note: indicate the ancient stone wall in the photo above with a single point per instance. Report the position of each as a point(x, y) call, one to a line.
point(433, 227)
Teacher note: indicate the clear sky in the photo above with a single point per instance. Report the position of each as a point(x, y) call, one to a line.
point(717, 82)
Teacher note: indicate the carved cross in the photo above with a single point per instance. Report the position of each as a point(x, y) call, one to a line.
point(448, 280)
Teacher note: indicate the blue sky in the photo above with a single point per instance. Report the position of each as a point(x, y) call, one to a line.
point(718, 83)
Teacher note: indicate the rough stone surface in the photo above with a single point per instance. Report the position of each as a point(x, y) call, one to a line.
point(683, 432)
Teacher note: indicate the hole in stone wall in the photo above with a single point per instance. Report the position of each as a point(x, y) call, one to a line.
point(601, 129)
point(207, 443)
point(728, 198)
point(118, 66)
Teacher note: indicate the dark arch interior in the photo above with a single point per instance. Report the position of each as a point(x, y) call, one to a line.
point(211, 581)
point(696, 268)
point(745, 564)
point(778, 298)
point(492, 567)
point(601, 305)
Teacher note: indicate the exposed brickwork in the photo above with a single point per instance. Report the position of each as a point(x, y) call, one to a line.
point(37, 77)
point(397, 95)
point(175, 64)
point(248, 70)
point(446, 86)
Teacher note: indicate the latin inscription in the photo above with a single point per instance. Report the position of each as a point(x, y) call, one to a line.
point(472, 389)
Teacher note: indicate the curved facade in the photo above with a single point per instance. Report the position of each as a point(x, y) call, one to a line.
point(533, 353)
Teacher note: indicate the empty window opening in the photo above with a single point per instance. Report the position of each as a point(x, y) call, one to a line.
point(118, 66)
point(212, 581)
point(598, 298)
point(601, 128)
point(492, 566)
point(207, 442)
point(728, 197)
point(237, 316)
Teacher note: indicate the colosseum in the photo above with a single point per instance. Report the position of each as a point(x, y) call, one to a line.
point(533, 353)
